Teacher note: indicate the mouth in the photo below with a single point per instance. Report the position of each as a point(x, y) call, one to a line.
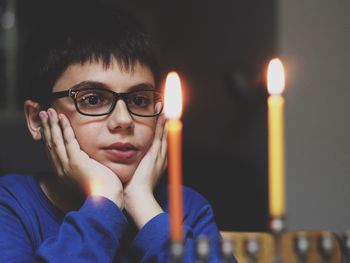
point(121, 151)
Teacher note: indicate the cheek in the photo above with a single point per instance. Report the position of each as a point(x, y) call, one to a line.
point(86, 136)
point(146, 135)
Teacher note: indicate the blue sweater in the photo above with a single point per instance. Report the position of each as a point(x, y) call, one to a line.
point(33, 230)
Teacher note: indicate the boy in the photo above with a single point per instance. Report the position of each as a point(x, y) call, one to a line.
point(96, 105)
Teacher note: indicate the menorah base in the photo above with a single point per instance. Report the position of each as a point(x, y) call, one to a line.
point(278, 225)
point(291, 246)
point(176, 251)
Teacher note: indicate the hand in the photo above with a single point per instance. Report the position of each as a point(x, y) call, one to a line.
point(73, 164)
point(138, 192)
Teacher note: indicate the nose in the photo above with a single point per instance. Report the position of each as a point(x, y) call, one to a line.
point(120, 118)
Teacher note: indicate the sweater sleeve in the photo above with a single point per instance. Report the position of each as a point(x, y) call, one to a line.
point(152, 242)
point(92, 234)
point(15, 245)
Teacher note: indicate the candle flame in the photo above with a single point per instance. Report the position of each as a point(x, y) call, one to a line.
point(173, 96)
point(275, 77)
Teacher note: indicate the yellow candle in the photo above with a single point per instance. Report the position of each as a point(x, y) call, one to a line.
point(276, 168)
point(173, 109)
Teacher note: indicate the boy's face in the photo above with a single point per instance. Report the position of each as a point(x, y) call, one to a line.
point(118, 140)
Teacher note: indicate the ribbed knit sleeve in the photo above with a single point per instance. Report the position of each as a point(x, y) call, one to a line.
point(91, 234)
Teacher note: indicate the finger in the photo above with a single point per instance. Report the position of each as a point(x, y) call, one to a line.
point(160, 129)
point(72, 145)
point(45, 129)
point(156, 143)
point(46, 135)
point(164, 145)
point(162, 153)
point(160, 126)
point(57, 138)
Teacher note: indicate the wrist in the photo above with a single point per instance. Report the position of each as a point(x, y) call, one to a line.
point(113, 194)
point(135, 197)
point(141, 206)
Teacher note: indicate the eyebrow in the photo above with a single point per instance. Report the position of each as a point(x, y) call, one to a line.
point(100, 85)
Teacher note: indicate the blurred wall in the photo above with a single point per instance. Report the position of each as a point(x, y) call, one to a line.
point(314, 42)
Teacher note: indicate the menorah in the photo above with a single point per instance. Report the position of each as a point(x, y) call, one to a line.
point(278, 245)
point(302, 246)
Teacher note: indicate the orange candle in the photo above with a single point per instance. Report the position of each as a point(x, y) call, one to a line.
point(275, 85)
point(173, 110)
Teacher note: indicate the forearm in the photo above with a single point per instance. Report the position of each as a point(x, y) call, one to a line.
point(89, 235)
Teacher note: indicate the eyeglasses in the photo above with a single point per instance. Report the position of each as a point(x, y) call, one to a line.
point(98, 101)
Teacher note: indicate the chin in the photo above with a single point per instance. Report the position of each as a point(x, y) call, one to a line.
point(123, 171)
point(124, 178)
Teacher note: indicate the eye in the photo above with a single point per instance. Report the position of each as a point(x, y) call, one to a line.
point(142, 99)
point(92, 98)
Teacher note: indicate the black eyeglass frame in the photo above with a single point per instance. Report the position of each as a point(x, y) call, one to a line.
point(72, 92)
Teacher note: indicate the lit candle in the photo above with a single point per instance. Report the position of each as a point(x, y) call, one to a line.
point(173, 110)
point(275, 85)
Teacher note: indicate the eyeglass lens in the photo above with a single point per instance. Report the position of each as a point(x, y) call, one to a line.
point(95, 102)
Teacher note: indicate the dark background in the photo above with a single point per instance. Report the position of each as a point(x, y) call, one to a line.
point(221, 49)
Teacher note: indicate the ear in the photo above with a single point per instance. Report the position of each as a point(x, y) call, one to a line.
point(31, 111)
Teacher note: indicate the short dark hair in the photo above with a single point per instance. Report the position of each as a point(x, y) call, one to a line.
point(84, 31)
